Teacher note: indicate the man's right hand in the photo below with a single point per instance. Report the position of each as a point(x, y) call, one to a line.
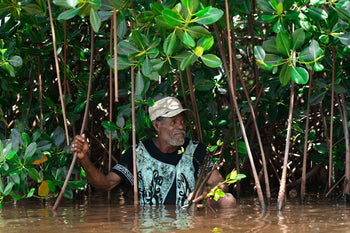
point(80, 145)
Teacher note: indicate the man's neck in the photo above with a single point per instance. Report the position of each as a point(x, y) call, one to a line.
point(163, 146)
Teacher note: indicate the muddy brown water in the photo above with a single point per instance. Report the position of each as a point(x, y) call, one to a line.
point(95, 214)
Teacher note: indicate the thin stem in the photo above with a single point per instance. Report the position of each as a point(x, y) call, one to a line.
point(303, 179)
point(86, 113)
point(282, 190)
point(58, 72)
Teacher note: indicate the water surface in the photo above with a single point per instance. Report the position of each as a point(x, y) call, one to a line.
point(96, 214)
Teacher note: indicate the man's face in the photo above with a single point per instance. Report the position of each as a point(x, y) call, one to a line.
point(172, 130)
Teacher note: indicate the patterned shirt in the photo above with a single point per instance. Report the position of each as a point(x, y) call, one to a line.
point(163, 178)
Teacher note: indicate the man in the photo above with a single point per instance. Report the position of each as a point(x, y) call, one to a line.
point(164, 176)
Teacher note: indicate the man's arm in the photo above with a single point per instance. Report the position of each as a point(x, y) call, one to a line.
point(95, 177)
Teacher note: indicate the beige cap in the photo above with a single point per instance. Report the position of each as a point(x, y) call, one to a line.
point(166, 107)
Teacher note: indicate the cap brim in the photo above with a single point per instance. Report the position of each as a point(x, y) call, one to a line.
point(178, 111)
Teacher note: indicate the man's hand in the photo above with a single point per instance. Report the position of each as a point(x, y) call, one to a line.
point(81, 146)
point(198, 199)
point(228, 201)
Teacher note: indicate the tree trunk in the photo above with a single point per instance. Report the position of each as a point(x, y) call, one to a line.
point(303, 176)
point(282, 190)
point(330, 149)
point(233, 96)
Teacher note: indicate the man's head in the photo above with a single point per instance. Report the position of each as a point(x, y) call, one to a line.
point(167, 116)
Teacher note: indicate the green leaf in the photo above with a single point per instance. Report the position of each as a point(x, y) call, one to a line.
point(157, 64)
point(283, 43)
point(188, 40)
point(153, 52)
point(272, 61)
point(279, 8)
point(203, 11)
point(147, 67)
point(119, 4)
point(126, 48)
point(144, 17)
point(318, 67)
point(191, 5)
point(324, 39)
point(2, 185)
point(317, 97)
point(32, 9)
point(207, 85)
point(270, 46)
point(109, 125)
point(30, 193)
point(266, 6)
point(232, 175)
point(123, 63)
point(120, 122)
point(211, 60)
point(278, 26)
point(34, 174)
point(345, 39)
point(311, 52)
point(240, 176)
point(259, 53)
point(161, 22)
point(58, 136)
point(26, 139)
point(52, 187)
point(206, 43)
point(317, 2)
point(343, 14)
point(317, 13)
point(15, 196)
point(66, 3)
point(30, 151)
point(285, 74)
point(242, 149)
point(172, 18)
point(8, 188)
point(68, 14)
point(11, 155)
point(300, 75)
point(186, 61)
point(95, 4)
point(332, 19)
point(77, 184)
point(95, 20)
point(244, 6)
point(16, 61)
point(218, 193)
point(198, 32)
point(198, 51)
point(169, 44)
point(157, 8)
point(298, 39)
point(9, 68)
point(155, 43)
point(137, 39)
point(210, 17)
point(268, 18)
point(139, 85)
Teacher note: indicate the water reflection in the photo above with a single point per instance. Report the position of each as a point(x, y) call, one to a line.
point(162, 219)
point(95, 214)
